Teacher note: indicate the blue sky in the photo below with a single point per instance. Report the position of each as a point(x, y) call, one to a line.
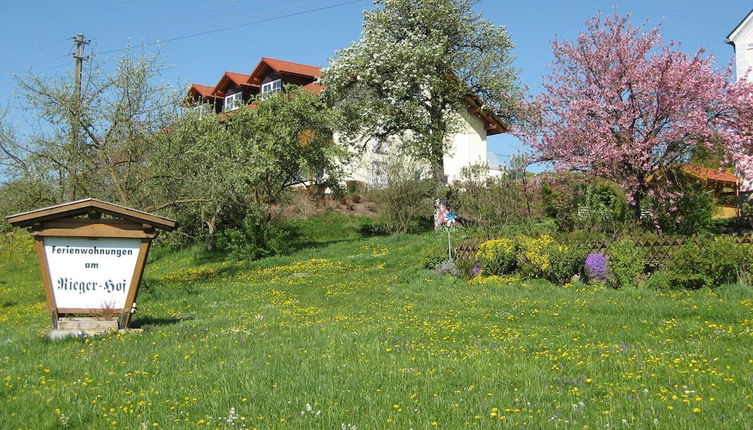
point(37, 35)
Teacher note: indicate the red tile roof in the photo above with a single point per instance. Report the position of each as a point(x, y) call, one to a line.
point(317, 88)
point(202, 90)
point(709, 174)
point(237, 78)
point(227, 77)
point(282, 67)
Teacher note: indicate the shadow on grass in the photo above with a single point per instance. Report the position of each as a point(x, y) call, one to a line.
point(147, 322)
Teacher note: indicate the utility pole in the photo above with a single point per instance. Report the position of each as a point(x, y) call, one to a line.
point(79, 57)
point(75, 115)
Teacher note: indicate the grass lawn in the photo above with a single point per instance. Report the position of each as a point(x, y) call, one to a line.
point(352, 333)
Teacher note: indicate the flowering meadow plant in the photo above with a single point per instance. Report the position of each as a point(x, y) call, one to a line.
point(497, 257)
point(533, 255)
point(596, 266)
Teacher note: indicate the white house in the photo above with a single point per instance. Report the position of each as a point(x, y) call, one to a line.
point(741, 39)
point(467, 147)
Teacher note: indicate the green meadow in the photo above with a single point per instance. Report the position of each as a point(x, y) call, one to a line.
point(349, 332)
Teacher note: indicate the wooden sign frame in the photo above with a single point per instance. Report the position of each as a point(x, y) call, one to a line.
point(84, 219)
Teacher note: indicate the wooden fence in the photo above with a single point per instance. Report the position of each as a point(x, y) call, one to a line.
point(657, 250)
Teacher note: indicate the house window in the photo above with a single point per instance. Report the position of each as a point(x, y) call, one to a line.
point(271, 87)
point(233, 101)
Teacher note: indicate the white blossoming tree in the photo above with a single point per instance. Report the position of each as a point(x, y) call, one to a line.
point(410, 72)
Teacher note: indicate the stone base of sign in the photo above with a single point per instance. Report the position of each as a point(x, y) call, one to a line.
point(81, 327)
point(87, 324)
point(56, 335)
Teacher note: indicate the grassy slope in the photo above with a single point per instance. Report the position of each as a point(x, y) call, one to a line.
point(357, 331)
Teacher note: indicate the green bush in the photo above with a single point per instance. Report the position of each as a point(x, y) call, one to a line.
point(626, 263)
point(565, 262)
point(659, 280)
point(257, 236)
point(433, 255)
point(465, 266)
point(690, 213)
point(492, 204)
point(406, 200)
point(497, 256)
point(542, 257)
point(579, 203)
point(708, 262)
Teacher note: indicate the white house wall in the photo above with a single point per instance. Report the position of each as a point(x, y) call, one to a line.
point(742, 39)
point(467, 147)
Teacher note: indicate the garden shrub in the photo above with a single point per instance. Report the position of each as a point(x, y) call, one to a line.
point(492, 204)
point(466, 266)
point(433, 255)
point(579, 203)
point(406, 199)
point(497, 256)
point(257, 236)
point(533, 255)
point(565, 262)
point(690, 212)
point(708, 262)
point(659, 280)
point(626, 263)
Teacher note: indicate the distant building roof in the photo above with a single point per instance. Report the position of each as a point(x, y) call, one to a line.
point(201, 90)
point(238, 79)
point(707, 174)
point(317, 88)
point(492, 123)
point(282, 67)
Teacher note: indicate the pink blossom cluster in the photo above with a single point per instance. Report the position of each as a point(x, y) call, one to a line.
point(622, 104)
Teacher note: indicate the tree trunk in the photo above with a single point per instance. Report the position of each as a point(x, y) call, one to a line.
point(212, 229)
point(638, 195)
point(437, 174)
point(440, 205)
point(212, 236)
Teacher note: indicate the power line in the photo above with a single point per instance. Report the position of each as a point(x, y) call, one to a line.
point(39, 54)
point(233, 27)
point(231, 19)
point(167, 23)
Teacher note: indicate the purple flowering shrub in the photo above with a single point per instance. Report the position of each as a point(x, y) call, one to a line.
point(476, 270)
point(596, 267)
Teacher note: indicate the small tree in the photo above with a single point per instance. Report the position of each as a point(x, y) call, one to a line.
point(410, 72)
point(91, 143)
point(623, 105)
point(212, 172)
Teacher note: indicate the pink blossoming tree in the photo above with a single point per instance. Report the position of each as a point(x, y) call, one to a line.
point(622, 104)
point(738, 130)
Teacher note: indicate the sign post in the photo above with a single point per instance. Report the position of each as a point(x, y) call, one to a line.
point(92, 255)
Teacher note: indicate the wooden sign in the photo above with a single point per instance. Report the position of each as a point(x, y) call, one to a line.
point(92, 255)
